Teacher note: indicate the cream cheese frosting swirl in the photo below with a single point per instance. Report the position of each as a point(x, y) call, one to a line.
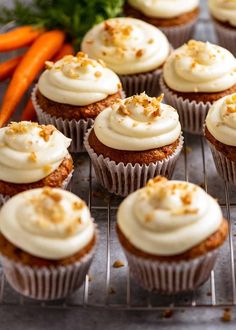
point(223, 10)
point(29, 152)
point(164, 8)
point(47, 223)
point(127, 45)
point(167, 218)
point(78, 80)
point(138, 123)
point(200, 67)
point(221, 120)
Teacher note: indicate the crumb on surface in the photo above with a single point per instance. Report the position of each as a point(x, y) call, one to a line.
point(227, 315)
point(118, 264)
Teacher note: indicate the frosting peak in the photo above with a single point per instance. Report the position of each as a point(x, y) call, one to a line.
point(47, 223)
point(29, 151)
point(78, 80)
point(137, 123)
point(200, 67)
point(221, 120)
point(140, 107)
point(127, 45)
point(168, 217)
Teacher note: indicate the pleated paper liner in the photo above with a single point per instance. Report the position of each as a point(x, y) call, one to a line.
point(122, 179)
point(180, 34)
point(171, 277)
point(47, 283)
point(192, 115)
point(226, 36)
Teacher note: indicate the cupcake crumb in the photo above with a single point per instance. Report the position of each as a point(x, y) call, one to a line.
point(118, 264)
point(112, 290)
point(168, 313)
point(227, 315)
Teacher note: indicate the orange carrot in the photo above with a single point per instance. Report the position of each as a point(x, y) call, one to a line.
point(19, 37)
point(28, 112)
point(8, 67)
point(66, 49)
point(44, 48)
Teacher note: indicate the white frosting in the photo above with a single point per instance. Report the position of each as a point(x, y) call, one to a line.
point(127, 45)
point(164, 8)
point(223, 10)
point(200, 67)
point(47, 223)
point(221, 120)
point(167, 218)
point(78, 81)
point(138, 123)
point(27, 155)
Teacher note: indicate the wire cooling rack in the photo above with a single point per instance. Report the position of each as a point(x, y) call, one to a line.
point(112, 288)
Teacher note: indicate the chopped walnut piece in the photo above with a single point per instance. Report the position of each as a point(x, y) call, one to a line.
point(118, 264)
point(47, 168)
point(19, 128)
point(122, 110)
point(55, 196)
point(149, 218)
point(49, 65)
point(151, 41)
point(186, 199)
point(156, 180)
point(98, 74)
point(77, 205)
point(32, 157)
point(46, 131)
point(139, 53)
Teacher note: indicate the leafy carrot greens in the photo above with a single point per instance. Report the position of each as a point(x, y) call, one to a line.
point(75, 17)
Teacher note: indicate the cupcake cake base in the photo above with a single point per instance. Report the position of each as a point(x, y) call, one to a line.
point(123, 178)
point(44, 279)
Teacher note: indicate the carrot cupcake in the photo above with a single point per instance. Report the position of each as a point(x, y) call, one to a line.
point(134, 49)
point(194, 76)
point(47, 242)
point(171, 232)
point(72, 92)
point(220, 132)
point(175, 18)
point(32, 156)
point(132, 141)
point(223, 14)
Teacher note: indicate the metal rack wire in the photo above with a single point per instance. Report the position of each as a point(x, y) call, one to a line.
point(97, 291)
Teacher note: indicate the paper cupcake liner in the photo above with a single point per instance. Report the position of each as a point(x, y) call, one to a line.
point(225, 167)
point(65, 183)
point(178, 35)
point(192, 115)
point(142, 82)
point(74, 129)
point(226, 36)
point(171, 277)
point(46, 283)
point(122, 179)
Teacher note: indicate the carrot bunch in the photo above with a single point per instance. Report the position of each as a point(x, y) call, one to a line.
point(23, 70)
